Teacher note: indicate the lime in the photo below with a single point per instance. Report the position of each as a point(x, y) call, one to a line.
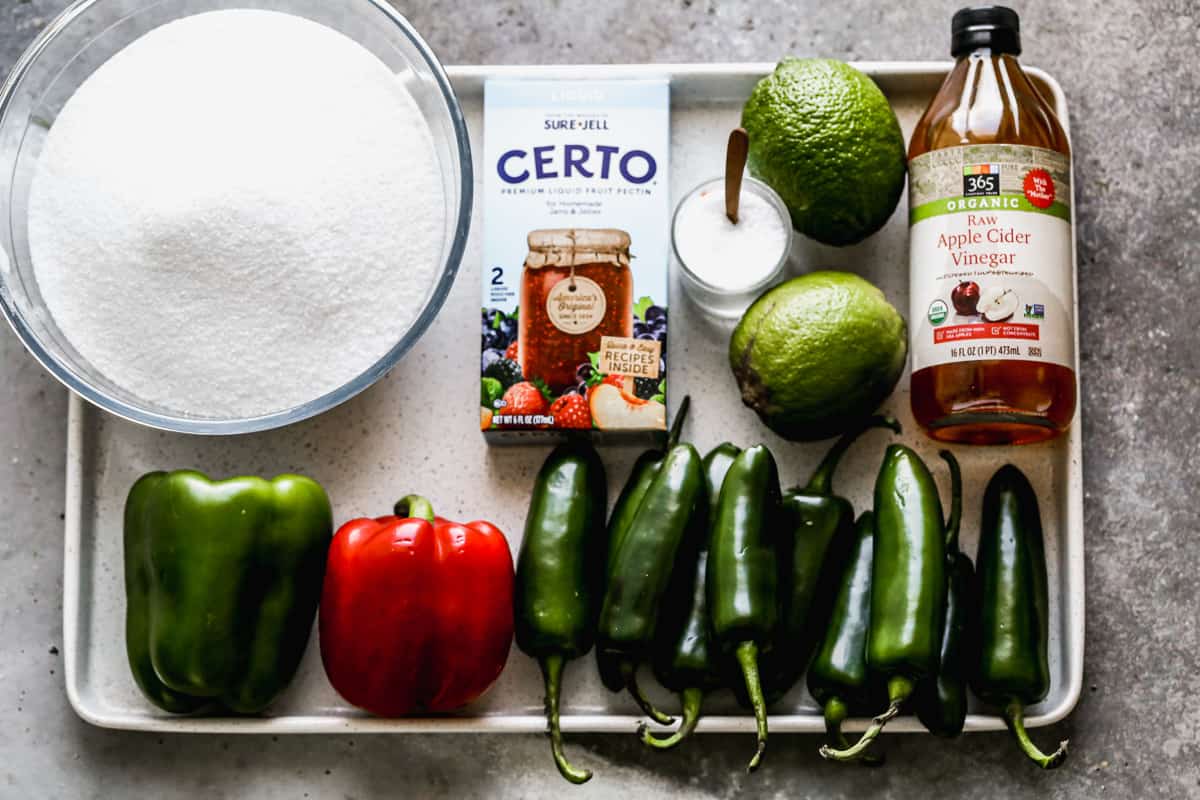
point(824, 137)
point(817, 354)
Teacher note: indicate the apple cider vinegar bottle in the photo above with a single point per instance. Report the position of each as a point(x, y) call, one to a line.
point(991, 275)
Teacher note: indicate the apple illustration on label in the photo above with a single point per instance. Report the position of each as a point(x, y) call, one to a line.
point(996, 304)
point(616, 407)
point(965, 298)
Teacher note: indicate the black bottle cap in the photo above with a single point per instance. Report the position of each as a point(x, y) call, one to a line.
point(994, 27)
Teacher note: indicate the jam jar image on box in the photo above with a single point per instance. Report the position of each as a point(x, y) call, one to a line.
point(576, 289)
point(585, 355)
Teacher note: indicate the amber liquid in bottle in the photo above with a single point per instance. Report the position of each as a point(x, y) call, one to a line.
point(988, 99)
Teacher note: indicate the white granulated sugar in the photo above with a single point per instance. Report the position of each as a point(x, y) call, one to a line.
point(728, 256)
point(236, 214)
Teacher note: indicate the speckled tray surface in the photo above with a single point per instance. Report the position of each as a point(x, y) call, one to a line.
point(417, 431)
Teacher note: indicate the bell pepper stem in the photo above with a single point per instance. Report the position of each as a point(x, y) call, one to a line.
point(836, 712)
point(629, 675)
point(552, 670)
point(413, 506)
point(821, 482)
point(899, 690)
point(747, 656)
point(955, 520)
point(677, 426)
point(691, 701)
point(1014, 718)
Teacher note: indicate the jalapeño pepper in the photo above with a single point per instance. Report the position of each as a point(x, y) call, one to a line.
point(818, 529)
point(941, 699)
point(1012, 670)
point(641, 569)
point(742, 571)
point(644, 471)
point(908, 585)
point(838, 677)
point(685, 659)
point(560, 573)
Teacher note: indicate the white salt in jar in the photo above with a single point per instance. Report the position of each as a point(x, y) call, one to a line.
point(725, 267)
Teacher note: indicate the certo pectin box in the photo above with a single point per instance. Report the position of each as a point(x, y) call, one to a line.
point(576, 220)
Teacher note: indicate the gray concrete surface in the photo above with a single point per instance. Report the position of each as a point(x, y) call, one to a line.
point(1129, 70)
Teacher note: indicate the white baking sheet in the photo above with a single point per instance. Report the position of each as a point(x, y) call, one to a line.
point(417, 431)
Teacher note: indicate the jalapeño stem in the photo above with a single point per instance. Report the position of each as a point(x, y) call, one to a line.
point(677, 426)
point(691, 700)
point(821, 482)
point(955, 520)
point(552, 670)
point(747, 656)
point(899, 690)
point(1014, 718)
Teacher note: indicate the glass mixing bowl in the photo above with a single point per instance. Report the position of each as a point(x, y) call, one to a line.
point(85, 36)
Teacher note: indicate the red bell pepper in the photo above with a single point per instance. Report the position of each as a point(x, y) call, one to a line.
point(416, 612)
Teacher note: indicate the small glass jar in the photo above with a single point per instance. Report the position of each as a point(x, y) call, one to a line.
point(725, 267)
point(576, 289)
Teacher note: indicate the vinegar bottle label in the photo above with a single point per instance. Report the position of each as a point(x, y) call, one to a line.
point(991, 265)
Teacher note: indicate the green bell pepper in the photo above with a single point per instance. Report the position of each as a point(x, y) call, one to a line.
point(222, 580)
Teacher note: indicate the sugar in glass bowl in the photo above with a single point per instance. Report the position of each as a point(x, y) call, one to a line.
point(83, 38)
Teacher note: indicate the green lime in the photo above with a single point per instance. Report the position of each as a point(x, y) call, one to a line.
point(824, 137)
point(817, 354)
